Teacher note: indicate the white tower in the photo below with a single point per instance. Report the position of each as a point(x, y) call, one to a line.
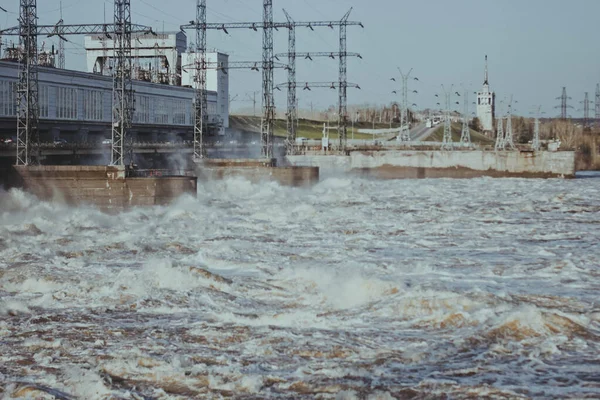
point(486, 104)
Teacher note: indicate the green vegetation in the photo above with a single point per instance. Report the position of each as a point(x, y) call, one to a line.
point(476, 137)
point(306, 128)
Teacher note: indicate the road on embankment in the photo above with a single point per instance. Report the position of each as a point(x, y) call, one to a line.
point(421, 132)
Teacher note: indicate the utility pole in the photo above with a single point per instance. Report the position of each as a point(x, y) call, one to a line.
point(122, 106)
point(253, 100)
point(465, 136)
point(27, 88)
point(447, 139)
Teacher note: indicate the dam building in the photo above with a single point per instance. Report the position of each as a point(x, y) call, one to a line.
point(162, 58)
point(77, 106)
point(486, 104)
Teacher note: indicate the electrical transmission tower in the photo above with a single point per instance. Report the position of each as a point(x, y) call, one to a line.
point(404, 134)
point(508, 136)
point(293, 55)
point(267, 25)
point(563, 103)
point(586, 110)
point(465, 135)
point(597, 102)
point(268, 118)
point(122, 104)
point(500, 135)
point(201, 97)
point(447, 140)
point(61, 44)
point(343, 88)
point(291, 94)
point(27, 88)
point(535, 144)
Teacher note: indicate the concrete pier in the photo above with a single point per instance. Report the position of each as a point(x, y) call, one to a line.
point(104, 186)
point(257, 170)
point(395, 164)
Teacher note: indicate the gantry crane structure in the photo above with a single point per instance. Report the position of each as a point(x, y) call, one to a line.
point(27, 88)
point(292, 55)
point(200, 25)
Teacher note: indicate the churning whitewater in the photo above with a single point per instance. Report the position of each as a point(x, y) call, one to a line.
point(353, 289)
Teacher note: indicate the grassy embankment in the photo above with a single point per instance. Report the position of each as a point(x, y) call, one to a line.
point(476, 137)
point(307, 128)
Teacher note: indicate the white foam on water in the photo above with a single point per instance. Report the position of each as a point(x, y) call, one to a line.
point(477, 287)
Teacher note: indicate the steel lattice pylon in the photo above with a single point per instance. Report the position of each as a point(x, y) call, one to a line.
point(27, 89)
point(500, 135)
point(447, 139)
point(586, 110)
point(597, 102)
point(535, 144)
point(465, 135)
point(268, 65)
point(291, 95)
point(564, 103)
point(343, 82)
point(404, 134)
point(268, 104)
point(201, 98)
point(61, 44)
point(508, 136)
point(122, 105)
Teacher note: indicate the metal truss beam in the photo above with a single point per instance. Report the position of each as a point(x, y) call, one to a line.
point(255, 26)
point(311, 55)
point(77, 29)
point(314, 85)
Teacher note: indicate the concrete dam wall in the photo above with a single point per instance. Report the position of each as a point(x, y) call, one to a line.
point(104, 186)
point(440, 164)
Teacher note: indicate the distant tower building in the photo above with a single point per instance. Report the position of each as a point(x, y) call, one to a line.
point(486, 104)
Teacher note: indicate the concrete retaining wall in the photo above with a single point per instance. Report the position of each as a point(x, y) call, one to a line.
point(103, 186)
point(257, 171)
point(455, 164)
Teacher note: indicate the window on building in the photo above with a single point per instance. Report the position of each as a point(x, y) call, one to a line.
point(479, 101)
point(161, 111)
point(43, 100)
point(66, 103)
point(179, 111)
point(8, 98)
point(142, 109)
point(93, 105)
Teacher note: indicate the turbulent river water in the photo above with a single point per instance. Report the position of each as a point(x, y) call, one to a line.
point(352, 289)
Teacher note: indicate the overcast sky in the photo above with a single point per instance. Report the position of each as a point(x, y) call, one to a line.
point(535, 47)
